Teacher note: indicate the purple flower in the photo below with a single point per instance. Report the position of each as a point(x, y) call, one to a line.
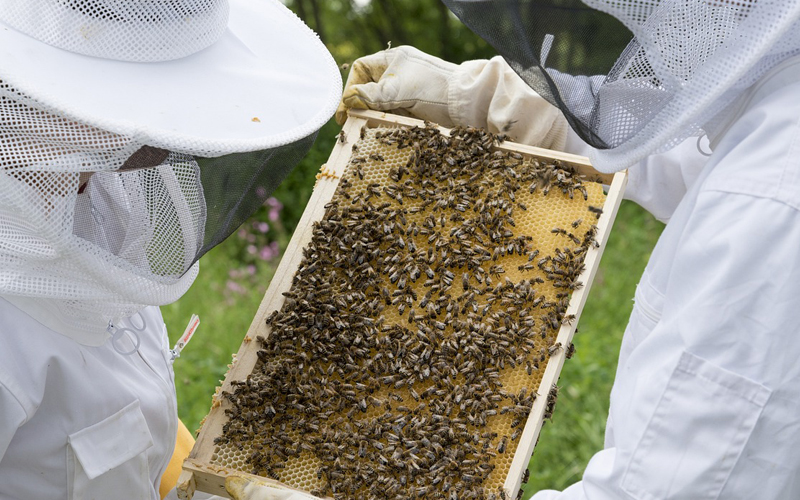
point(251, 249)
point(261, 192)
point(275, 208)
point(251, 269)
point(266, 253)
point(270, 251)
point(235, 287)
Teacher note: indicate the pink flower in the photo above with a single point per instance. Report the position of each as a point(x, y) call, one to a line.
point(266, 253)
point(251, 269)
point(251, 249)
point(261, 192)
point(270, 251)
point(275, 208)
point(263, 227)
point(235, 287)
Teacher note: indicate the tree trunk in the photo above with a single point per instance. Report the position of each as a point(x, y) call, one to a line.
point(444, 31)
point(395, 23)
point(300, 6)
point(317, 20)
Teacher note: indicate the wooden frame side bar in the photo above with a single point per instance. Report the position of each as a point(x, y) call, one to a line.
point(246, 358)
point(530, 433)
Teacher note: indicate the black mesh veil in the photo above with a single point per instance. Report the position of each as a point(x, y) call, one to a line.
point(211, 198)
point(635, 77)
point(89, 214)
point(100, 224)
point(566, 37)
point(236, 185)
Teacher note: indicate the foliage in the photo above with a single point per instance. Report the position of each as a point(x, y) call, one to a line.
point(351, 29)
point(586, 40)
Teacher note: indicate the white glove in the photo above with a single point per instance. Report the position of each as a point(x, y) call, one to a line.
point(403, 80)
point(482, 93)
point(241, 488)
point(489, 94)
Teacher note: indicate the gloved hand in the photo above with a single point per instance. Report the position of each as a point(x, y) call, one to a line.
point(481, 93)
point(403, 80)
point(240, 488)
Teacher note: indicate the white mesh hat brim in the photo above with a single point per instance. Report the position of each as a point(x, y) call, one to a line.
point(269, 81)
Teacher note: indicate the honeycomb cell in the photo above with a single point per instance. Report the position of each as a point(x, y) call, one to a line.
point(442, 218)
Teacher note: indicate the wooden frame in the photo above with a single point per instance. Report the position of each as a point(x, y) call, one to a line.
point(199, 473)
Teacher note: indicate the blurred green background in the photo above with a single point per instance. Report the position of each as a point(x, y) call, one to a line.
point(235, 275)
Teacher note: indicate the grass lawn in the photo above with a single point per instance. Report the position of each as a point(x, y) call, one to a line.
point(566, 444)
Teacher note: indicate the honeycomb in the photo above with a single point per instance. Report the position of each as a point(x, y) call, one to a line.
point(271, 430)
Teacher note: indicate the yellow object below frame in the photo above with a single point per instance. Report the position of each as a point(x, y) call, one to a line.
point(184, 442)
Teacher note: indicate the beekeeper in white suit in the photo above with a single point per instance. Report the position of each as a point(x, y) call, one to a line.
point(706, 401)
point(134, 136)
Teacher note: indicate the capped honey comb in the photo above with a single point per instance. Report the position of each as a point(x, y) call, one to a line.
point(412, 342)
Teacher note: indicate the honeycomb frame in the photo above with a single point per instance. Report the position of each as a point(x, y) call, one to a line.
point(200, 470)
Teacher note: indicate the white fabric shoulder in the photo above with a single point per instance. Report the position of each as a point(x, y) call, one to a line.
point(12, 416)
point(22, 376)
point(21, 383)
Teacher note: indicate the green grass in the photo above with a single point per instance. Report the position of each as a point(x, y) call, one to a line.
point(224, 319)
point(566, 444)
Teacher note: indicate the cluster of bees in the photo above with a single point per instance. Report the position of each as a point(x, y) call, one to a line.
point(388, 364)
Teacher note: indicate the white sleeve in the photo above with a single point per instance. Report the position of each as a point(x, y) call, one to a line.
point(12, 416)
point(707, 403)
point(489, 94)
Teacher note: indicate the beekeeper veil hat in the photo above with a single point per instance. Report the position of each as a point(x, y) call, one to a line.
point(685, 61)
point(136, 136)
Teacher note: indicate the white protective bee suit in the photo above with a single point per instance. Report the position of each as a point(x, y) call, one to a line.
point(80, 421)
point(706, 401)
point(134, 137)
